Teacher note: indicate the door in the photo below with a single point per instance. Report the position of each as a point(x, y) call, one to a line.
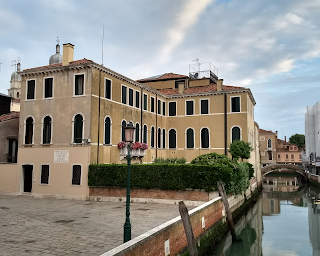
point(27, 178)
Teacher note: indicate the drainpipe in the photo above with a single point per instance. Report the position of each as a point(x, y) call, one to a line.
point(99, 116)
point(225, 126)
point(141, 108)
point(156, 139)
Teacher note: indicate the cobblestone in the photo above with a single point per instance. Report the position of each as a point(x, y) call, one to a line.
point(34, 226)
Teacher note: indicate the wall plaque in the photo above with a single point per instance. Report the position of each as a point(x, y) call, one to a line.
point(61, 156)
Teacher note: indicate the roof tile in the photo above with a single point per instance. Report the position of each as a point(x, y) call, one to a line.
point(9, 116)
point(162, 77)
point(76, 62)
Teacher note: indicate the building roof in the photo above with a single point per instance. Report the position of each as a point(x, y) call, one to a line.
point(4, 95)
point(76, 62)
point(9, 116)
point(265, 131)
point(166, 76)
point(210, 88)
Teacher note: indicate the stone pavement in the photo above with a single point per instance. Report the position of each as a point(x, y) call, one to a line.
point(34, 226)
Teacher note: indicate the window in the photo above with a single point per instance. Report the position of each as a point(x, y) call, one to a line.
point(12, 151)
point(159, 107)
point(31, 86)
point(79, 85)
point(130, 97)
point(29, 131)
point(204, 138)
point(163, 108)
point(189, 107)
point(124, 94)
point(44, 174)
point(145, 102)
point(145, 134)
point(299, 156)
point(270, 155)
point(262, 138)
point(163, 138)
point(172, 138)
point(123, 127)
point(269, 143)
point(176, 84)
point(137, 131)
point(48, 87)
point(204, 107)
point(152, 105)
point(235, 104)
point(292, 156)
point(236, 133)
point(137, 99)
point(78, 129)
point(279, 156)
point(190, 138)
point(172, 108)
point(159, 138)
point(107, 130)
point(152, 137)
point(18, 95)
point(287, 157)
point(76, 175)
point(107, 93)
point(46, 135)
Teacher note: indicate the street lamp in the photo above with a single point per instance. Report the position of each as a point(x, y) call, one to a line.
point(129, 132)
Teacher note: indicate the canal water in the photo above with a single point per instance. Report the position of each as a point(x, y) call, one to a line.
point(285, 221)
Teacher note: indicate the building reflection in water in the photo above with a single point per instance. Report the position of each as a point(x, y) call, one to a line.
point(314, 221)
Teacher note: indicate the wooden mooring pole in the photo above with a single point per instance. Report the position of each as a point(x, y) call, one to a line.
point(188, 229)
point(228, 212)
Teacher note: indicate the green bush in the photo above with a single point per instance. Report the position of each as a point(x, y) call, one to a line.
point(169, 161)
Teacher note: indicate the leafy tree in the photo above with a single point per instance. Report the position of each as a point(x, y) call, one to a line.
point(297, 139)
point(240, 149)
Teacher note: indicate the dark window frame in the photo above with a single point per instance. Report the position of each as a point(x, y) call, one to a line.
point(107, 130)
point(48, 88)
point(145, 102)
point(202, 108)
point(137, 97)
point(29, 130)
point(163, 138)
point(172, 138)
point(205, 137)
point(233, 133)
point(45, 174)
point(130, 95)
point(159, 107)
point(145, 134)
point(189, 112)
point(76, 171)
point(123, 126)
point(77, 130)
point(172, 105)
point(163, 108)
point(31, 89)
point(235, 104)
point(79, 90)
point(124, 94)
point(47, 130)
point(152, 137)
point(189, 141)
point(137, 132)
point(159, 138)
point(152, 104)
point(108, 88)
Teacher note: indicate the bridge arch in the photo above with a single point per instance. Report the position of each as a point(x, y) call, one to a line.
point(277, 167)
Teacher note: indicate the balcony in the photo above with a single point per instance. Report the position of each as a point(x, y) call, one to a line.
point(203, 70)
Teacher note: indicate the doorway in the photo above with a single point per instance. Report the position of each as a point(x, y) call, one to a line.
point(27, 178)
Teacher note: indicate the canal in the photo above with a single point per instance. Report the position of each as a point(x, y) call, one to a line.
point(284, 221)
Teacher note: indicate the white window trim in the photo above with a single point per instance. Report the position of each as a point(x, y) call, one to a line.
point(127, 96)
point(42, 124)
point(169, 138)
point(106, 90)
point(121, 128)
point(129, 88)
point(84, 85)
point(154, 138)
point(186, 107)
point(154, 105)
point(200, 146)
point(74, 185)
point(44, 88)
point(104, 130)
point(44, 184)
point(169, 108)
point(208, 106)
point(143, 102)
point(194, 135)
point(35, 87)
point(135, 99)
point(25, 129)
point(231, 103)
point(231, 132)
point(83, 123)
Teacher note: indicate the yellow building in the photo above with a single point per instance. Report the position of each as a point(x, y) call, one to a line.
point(73, 114)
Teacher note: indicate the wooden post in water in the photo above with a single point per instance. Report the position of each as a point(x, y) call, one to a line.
point(188, 229)
point(228, 212)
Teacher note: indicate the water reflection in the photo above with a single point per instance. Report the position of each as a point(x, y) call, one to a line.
point(284, 221)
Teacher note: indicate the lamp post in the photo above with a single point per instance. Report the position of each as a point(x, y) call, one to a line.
point(129, 131)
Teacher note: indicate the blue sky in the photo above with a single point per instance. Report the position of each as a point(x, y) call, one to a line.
point(271, 47)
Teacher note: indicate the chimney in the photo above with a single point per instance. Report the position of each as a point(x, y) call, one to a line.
point(181, 88)
point(67, 56)
point(219, 85)
point(277, 133)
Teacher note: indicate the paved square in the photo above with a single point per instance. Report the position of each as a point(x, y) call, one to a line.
point(34, 226)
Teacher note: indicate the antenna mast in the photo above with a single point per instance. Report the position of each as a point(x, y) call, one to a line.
point(102, 41)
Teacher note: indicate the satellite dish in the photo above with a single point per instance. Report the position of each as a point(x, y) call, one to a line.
point(196, 75)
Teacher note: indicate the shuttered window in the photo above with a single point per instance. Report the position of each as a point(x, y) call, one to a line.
point(46, 136)
point(145, 134)
point(31, 89)
point(48, 87)
point(137, 131)
point(79, 85)
point(76, 175)
point(29, 131)
point(159, 107)
point(78, 129)
point(164, 108)
point(235, 104)
point(235, 133)
point(163, 138)
point(190, 138)
point(107, 89)
point(189, 107)
point(107, 130)
point(204, 107)
point(172, 108)
point(204, 138)
point(124, 94)
point(137, 99)
point(130, 97)
point(152, 104)
point(44, 174)
point(152, 137)
point(123, 127)
point(172, 139)
point(159, 138)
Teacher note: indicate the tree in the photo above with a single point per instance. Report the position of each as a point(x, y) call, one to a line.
point(297, 139)
point(240, 149)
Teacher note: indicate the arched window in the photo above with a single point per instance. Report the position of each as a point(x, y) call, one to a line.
point(172, 138)
point(235, 133)
point(204, 138)
point(77, 129)
point(152, 137)
point(190, 138)
point(159, 138)
point(107, 130)
point(123, 127)
point(269, 143)
point(137, 131)
point(145, 134)
point(46, 134)
point(29, 131)
point(164, 138)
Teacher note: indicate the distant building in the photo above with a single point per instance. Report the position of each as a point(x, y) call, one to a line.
point(268, 147)
point(288, 153)
point(5, 102)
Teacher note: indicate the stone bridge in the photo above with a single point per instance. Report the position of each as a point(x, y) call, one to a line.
point(278, 167)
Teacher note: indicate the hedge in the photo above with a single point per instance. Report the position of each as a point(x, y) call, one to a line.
point(156, 176)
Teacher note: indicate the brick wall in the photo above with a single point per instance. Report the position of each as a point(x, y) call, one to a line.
point(152, 242)
point(193, 195)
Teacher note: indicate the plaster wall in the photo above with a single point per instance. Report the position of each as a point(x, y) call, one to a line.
point(8, 130)
point(9, 179)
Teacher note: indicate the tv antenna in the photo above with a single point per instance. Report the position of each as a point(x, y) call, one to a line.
point(14, 64)
point(196, 60)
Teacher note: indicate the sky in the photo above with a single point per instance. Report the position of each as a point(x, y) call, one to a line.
point(271, 47)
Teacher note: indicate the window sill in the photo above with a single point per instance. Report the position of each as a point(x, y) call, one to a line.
point(30, 99)
point(75, 185)
point(77, 144)
point(49, 98)
point(43, 184)
point(76, 96)
point(46, 145)
point(107, 145)
point(28, 145)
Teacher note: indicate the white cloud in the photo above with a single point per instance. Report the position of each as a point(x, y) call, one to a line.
point(293, 18)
